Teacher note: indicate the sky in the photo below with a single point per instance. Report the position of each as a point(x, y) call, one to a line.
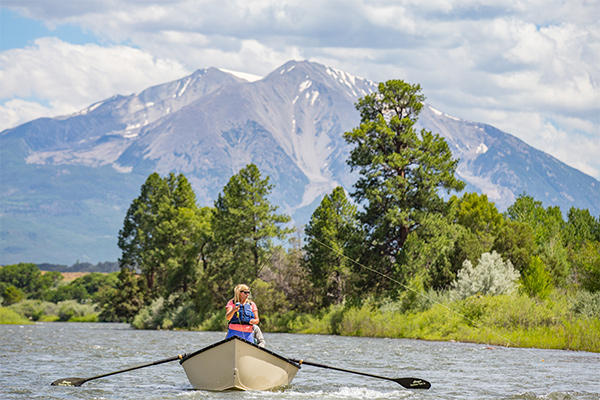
point(528, 67)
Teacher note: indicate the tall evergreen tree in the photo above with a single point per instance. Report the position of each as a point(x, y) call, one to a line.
point(156, 238)
point(245, 225)
point(329, 235)
point(402, 171)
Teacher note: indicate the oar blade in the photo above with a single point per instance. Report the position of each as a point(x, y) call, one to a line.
point(413, 383)
point(69, 382)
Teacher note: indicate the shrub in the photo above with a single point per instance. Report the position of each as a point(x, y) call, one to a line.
point(586, 261)
point(85, 318)
point(536, 280)
point(8, 316)
point(492, 276)
point(72, 310)
point(153, 316)
point(187, 317)
point(586, 304)
point(36, 310)
point(214, 321)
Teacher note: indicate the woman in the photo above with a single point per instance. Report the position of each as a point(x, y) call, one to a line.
point(242, 314)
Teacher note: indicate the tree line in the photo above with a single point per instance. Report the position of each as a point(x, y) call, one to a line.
point(404, 228)
point(26, 281)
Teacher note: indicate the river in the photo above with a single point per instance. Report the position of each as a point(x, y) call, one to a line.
point(35, 355)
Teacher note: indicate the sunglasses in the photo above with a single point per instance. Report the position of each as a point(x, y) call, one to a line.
point(245, 291)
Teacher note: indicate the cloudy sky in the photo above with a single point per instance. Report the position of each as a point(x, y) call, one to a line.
point(529, 67)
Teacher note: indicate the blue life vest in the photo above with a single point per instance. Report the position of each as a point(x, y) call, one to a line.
point(243, 316)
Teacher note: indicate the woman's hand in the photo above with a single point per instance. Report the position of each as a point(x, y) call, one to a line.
point(231, 311)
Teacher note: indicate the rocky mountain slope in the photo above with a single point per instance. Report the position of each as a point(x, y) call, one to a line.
point(67, 182)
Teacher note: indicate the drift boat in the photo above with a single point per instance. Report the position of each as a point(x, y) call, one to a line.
point(237, 364)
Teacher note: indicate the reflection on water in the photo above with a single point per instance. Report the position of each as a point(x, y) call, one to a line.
point(33, 356)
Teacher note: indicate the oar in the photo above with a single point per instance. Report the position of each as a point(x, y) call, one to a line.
point(81, 381)
point(409, 383)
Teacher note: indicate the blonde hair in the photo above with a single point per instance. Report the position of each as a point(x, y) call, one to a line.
point(236, 293)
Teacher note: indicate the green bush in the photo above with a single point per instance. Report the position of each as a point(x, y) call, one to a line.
point(153, 316)
point(72, 310)
point(8, 316)
point(214, 322)
point(36, 310)
point(586, 304)
point(93, 317)
point(536, 280)
point(586, 260)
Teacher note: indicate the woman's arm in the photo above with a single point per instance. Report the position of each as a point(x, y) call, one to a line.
point(230, 311)
point(255, 320)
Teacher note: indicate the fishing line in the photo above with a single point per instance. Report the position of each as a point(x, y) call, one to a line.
point(516, 345)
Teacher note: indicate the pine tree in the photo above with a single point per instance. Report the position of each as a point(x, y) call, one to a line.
point(402, 171)
point(329, 235)
point(245, 225)
point(157, 235)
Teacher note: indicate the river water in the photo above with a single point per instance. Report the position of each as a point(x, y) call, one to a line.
point(33, 356)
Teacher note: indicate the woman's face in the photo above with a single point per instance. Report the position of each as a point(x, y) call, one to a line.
point(244, 293)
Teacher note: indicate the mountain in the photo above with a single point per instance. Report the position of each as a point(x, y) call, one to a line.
point(67, 182)
point(503, 167)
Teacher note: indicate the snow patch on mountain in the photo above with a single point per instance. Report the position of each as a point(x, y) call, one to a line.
point(481, 149)
point(440, 113)
point(314, 97)
point(316, 190)
point(90, 108)
point(304, 85)
point(183, 88)
point(243, 75)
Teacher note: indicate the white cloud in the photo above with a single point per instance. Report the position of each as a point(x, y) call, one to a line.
point(70, 77)
point(17, 111)
point(530, 68)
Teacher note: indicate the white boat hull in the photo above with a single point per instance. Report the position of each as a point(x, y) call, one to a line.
point(237, 364)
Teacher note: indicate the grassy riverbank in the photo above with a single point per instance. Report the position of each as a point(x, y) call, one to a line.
point(28, 311)
point(9, 317)
point(560, 322)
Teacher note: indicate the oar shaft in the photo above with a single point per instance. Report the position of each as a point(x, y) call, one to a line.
point(342, 369)
point(166, 360)
point(81, 381)
point(409, 383)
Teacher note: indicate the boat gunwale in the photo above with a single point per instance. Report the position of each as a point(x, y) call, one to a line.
point(188, 356)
